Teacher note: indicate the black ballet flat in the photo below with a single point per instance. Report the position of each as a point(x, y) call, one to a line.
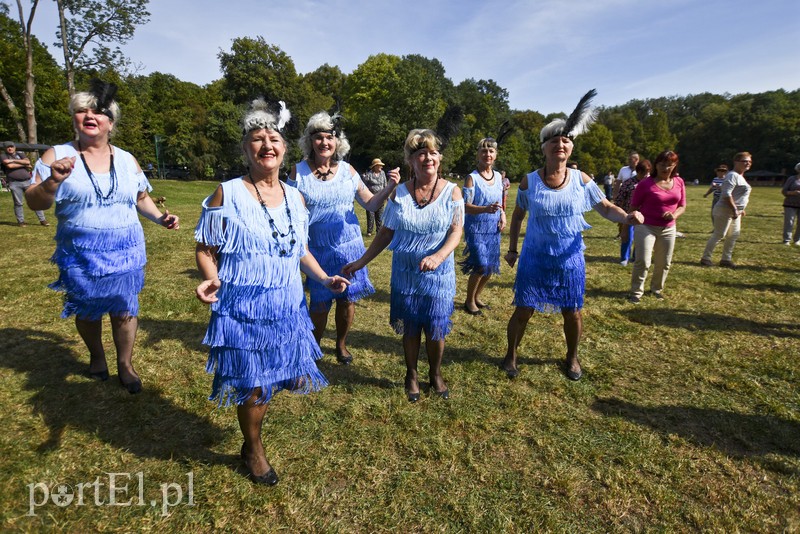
point(132, 387)
point(483, 306)
point(473, 312)
point(573, 375)
point(412, 397)
point(102, 376)
point(510, 373)
point(344, 359)
point(270, 478)
point(442, 394)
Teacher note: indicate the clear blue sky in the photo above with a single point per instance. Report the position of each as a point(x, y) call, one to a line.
point(546, 53)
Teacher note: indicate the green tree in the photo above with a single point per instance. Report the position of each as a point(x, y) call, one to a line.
point(86, 27)
point(254, 68)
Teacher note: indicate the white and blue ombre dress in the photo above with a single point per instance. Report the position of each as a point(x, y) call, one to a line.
point(551, 275)
point(260, 334)
point(334, 233)
point(100, 249)
point(422, 300)
point(481, 232)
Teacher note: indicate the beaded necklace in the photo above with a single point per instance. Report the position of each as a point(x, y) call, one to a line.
point(275, 233)
point(112, 188)
point(424, 201)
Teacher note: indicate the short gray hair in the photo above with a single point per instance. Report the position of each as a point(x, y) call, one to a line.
point(323, 122)
point(84, 100)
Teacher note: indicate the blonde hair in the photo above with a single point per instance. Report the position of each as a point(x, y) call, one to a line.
point(487, 142)
point(323, 122)
point(418, 139)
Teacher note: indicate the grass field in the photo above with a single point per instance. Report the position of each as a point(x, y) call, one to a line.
point(688, 417)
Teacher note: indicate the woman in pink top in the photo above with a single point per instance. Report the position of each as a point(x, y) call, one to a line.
point(661, 199)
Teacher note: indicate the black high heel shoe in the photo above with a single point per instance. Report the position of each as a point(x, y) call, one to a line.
point(344, 358)
point(102, 376)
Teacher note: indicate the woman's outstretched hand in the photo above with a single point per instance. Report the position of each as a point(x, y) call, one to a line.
point(207, 290)
point(336, 284)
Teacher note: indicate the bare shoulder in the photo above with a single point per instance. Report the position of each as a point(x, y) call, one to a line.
point(456, 195)
point(586, 178)
point(49, 156)
point(217, 198)
point(523, 184)
point(468, 182)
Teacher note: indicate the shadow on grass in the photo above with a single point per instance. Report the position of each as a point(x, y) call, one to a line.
point(710, 321)
point(147, 425)
point(780, 288)
point(189, 333)
point(739, 435)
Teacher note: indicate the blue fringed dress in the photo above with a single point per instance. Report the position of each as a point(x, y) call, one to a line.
point(334, 233)
point(481, 233)
point(99, 242)
point(421, 300)
point(260, 333)
point(552, 273)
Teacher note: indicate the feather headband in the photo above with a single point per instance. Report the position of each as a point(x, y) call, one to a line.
point(577, 123)
point(104, 93)
point(266, 115)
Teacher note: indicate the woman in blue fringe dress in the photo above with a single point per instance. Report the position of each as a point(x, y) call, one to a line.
point(552, 273)
point(422, 227)
point(98, 189)
point(329, 185)
point(252, 245)
point(483, 221)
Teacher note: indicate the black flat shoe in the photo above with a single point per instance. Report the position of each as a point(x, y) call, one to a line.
point(573, 375)
point(100, 375)
point(412, 397)
point(483, 306)
point(132, 387)
point(344, 359)
point(442, 394)
point(471, 312)
point(270, 478)
point(511, 373)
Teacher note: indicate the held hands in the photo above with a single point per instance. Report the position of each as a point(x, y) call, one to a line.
point(337, 284)
point(169, 221)
point(634, 218)
point(61, 169)
point(394, 176)
point(668, 216)
point(430, 263)
point(207, 290)
point(350, 269)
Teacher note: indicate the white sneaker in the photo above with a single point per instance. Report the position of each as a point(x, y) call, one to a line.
point(797, 243)
point(624, 263)
point(787, 243)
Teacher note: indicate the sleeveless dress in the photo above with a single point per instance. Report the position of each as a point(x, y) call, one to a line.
point(260, 333)
point(334, 233)
point(421, 300)
point(480, 231)
point(552, 273)
point(100, 249)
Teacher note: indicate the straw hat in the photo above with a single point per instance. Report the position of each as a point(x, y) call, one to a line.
point(376, 163)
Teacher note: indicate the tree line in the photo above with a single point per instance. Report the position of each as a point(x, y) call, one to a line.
point(196, 127)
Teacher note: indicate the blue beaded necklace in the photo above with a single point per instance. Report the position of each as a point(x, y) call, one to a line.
point(275, 233)
point(97, 191)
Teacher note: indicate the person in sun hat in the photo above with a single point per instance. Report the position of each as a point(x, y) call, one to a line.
point(551, 275)
point(375, 180)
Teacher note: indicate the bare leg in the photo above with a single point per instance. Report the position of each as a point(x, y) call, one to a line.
point(515, 331)
point(411, 344)
point(320, 322)
point(345, 312)
point(472, 287)
point(573, 329)
point(91, 333)
point(251, 421)
point(123, 330)
point(435, 350)
point(481, 284)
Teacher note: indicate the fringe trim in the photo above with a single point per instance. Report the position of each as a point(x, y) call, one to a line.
point(412, 313)
point(481, 255)
point(256, 303)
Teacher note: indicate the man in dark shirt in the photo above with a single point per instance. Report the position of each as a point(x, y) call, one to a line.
point(17, 168)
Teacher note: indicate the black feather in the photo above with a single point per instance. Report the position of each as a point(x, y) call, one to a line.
point(104, 93)
point(448, 125)
point(505, 129)
point(580, 112)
